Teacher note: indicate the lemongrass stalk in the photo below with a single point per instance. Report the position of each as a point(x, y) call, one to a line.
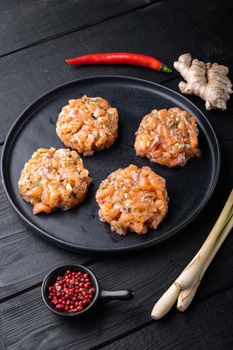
point(165, 303)
point(191, 273)
point(189, 279)
point(186, 296)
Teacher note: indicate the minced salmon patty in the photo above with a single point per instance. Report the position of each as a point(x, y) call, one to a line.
point(132, 199)
point(168, 137)
point(53, 179)
point(88, 124)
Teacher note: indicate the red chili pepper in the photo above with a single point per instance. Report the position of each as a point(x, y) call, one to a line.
point(130, 58)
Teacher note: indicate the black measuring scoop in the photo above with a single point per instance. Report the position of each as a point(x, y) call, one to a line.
point(50, 279)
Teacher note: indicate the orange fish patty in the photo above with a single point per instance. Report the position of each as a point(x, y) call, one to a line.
point(168, 137)
point(88, 124)
point(54, 179)
point(132, 199)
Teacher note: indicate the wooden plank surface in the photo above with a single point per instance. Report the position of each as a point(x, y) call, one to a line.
point(2, 346)
point(164, 29)
point(27, 321)
point(207, 326)
point(26, 23)
point(29, 73)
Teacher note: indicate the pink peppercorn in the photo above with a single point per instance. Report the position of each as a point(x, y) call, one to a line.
point(72, 292)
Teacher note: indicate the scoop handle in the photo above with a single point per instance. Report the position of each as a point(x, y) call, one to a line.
point(124, 294)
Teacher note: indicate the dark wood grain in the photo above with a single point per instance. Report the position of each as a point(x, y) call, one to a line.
point(29, 73)
point(32, 323)
point(161, 28)
point(26, 23)
point(207, 326)
point(2, 346)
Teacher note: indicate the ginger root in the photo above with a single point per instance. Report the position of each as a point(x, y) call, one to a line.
point(206, 80)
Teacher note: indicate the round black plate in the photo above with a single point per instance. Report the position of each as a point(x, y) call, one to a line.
point(189, 188)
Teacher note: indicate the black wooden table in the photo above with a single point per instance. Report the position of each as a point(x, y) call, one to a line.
point(36, 37)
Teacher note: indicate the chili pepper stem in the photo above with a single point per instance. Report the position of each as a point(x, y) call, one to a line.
point(165, 69)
